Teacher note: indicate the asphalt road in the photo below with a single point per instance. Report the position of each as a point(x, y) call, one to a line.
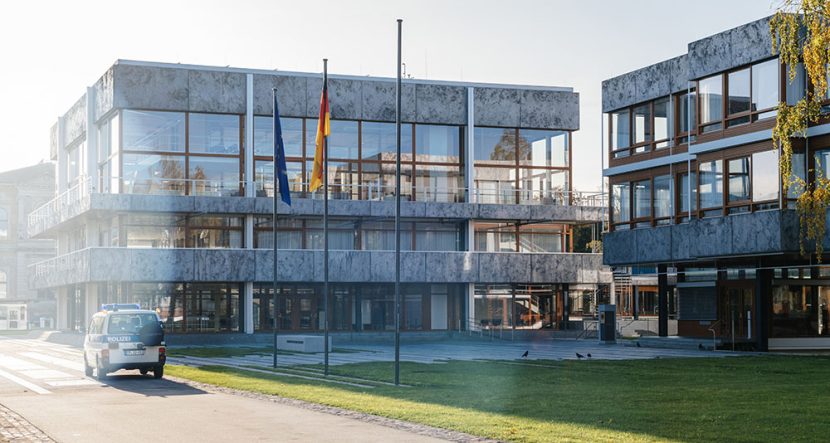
point(44, 383)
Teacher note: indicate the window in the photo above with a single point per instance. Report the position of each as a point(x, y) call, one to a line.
point(642, 199)
point(543, 148)
point(437, 143)
point(4, 224)
point(765, 179)
point(710, 175)
point(765, 87)
point(214, 133)
point(662, 199)
point(686, 183)
point(343, 140)
point(214, 176)
point(799, 171)
point(738, 84)
point(153, 131)
point(153, 174)
point(621, 130)
point(738, 179)
point(379, 141)
point(292, 136)
point(686, 117)
point(181, 231)
point(795, 88)
point(3, 285)
point(711, 102)
point(661, 123)
point(641, 119)
point(621, 202)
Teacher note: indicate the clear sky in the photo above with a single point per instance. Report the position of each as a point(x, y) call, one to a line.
point(52, 50)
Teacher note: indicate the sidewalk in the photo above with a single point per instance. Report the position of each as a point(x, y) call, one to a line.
point(15, 429)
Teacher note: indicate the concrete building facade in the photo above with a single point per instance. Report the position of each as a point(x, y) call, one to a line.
point(165, 198)
point(696, 193)
point(21, 191)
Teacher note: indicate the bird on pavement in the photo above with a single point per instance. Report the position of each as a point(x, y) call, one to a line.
point(638, 344)
point(525, 354)
point(700, 347)
point(589, 355)
point(579, 356)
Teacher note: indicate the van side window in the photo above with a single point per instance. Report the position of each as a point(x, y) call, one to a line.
point(96, 325)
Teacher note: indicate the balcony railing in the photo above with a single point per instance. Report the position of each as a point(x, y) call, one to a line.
point(75, 200)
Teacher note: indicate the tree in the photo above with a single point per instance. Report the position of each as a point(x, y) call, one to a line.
point(800, 34)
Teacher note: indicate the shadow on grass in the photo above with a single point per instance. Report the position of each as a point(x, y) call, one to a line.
point(770, 398)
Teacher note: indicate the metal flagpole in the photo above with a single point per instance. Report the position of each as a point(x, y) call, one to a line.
point(325, 227)
point(274, 223)
point(398, 217)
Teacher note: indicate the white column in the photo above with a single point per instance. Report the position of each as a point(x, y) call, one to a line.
point(470, 146)
point(62, 157)
point(60, 309)
point(471, 307)
point(92, 305)
point(91, 160)
point(249, 307)
point(249, 137)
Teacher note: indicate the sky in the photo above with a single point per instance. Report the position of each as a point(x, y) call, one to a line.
point(52, 50)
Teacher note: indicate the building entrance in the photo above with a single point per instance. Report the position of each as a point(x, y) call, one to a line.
point(736, 304)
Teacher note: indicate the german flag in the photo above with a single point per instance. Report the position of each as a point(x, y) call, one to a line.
point(323, 131)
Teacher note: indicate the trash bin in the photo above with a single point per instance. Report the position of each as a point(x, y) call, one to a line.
point(607, 323)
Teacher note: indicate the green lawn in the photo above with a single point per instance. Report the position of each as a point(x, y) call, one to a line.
point(750, 398)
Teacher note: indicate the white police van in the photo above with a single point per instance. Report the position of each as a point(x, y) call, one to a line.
point(123, 336)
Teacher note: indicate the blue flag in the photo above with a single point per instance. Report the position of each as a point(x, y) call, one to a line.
point(280, 172)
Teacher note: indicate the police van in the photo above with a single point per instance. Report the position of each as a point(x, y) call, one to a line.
point(123, 336)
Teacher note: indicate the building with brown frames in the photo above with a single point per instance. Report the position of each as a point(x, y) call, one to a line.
point(165, 198)
point(696, 198)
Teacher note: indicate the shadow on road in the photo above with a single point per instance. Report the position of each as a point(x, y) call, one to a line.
point(146, 385)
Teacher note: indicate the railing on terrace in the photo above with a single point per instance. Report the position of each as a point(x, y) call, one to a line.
point(75, 200)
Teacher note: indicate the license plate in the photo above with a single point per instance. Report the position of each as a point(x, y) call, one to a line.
point(134, 352)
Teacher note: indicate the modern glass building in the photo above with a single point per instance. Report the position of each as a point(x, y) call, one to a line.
point(696, 193)
point(165, 198)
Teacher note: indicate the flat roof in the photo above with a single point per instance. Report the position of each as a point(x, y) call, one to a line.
point(335, 76)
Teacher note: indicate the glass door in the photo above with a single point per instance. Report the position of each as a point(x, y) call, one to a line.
point(735, 314)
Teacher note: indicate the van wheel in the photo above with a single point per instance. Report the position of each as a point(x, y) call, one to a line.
point(100, 371)
point(143, 371)
point(158, 372)
point(87, 368)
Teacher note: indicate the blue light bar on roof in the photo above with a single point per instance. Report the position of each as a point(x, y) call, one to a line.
point(117, 306)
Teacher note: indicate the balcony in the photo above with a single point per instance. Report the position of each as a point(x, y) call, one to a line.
point(203, 196)
point(756, 233)
point(213, 265)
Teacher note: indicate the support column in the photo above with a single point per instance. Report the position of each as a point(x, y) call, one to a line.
point(636, 294)
point(61, 311)
point(250, 190)
point(763, 294)
point(60, 178)
point(470, 147)
point(91, 159)
point(91, 306)
point(470, 308)
point(248, 307)
point(566, 304)
point(662, 301)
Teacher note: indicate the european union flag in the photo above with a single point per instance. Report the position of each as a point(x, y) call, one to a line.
point(280, 172)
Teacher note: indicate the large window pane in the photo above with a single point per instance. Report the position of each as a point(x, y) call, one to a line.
point(738, 84)
point(214, 176)
point(495, 185)
point(799, 170)
point(379, 141)
point(661, 121)
point(687, 112)
point(214, 133)
point(437, 143)
point(621, 130)
point(215, 232)
point(342, 140)
point(543, 185)
point(739, 179)
point(495, 238)
point(542, 148)
point(711, 184)
point(621, 203)
point(642, 199)
point(765, 85)
point(662, 196)
point(343, 179)
point(495, 146)
point(292, 136)
point(438, 183)
point(437, 237)
point(153, 174)
point(687, 183)
point(264, 177)
point(153, 131)
point(378, 181)
point(765, 176)
point(711, 99)
point(642, 123)
point(796, 87)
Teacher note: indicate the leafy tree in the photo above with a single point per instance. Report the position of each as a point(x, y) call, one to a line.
point(800, 34)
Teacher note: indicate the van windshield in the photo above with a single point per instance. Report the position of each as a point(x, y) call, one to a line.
point(129, 323)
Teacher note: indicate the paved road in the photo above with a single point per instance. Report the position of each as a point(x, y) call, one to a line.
point(44, 383)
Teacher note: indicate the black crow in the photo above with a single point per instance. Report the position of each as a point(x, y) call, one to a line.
point(589, 355)
point(638, 344)
point(579, 356)
point(525, 354)
point(700, 347)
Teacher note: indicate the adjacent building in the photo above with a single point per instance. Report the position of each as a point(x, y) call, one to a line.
point(165, 198)
point(21, 191)
point(696, 193)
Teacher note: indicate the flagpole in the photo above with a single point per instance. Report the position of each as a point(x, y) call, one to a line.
point(274, 226)
point(325, 231)
point(398, 216)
